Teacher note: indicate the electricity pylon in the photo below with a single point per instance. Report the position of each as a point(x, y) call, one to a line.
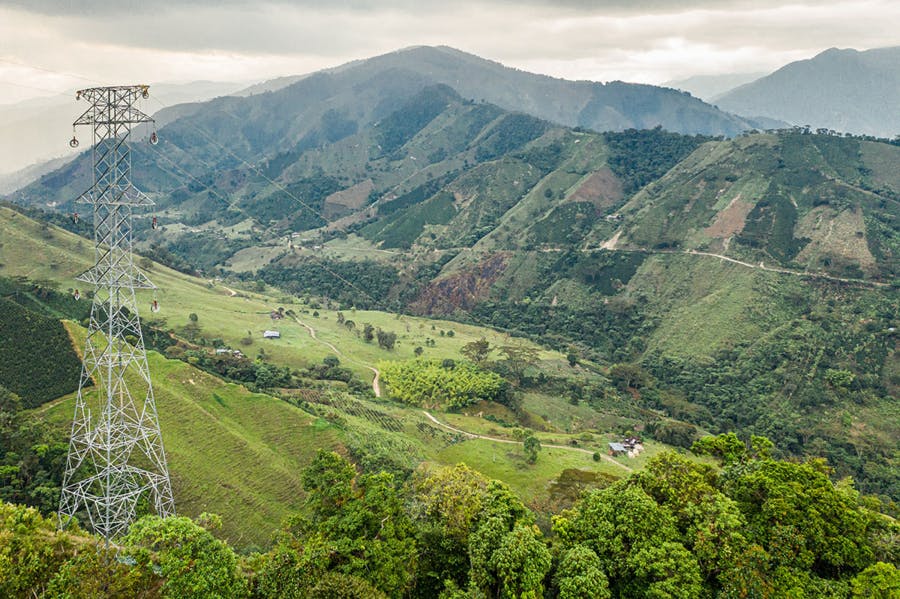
point(116, 452)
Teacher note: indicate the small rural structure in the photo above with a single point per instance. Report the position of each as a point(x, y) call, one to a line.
point(617, 449)
point(271, 335)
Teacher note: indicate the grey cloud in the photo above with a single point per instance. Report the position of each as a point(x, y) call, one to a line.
point(94, 8)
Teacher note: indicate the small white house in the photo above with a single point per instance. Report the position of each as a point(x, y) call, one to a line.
point(271, 335)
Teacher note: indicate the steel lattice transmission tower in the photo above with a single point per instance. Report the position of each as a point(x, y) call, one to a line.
point(116, 452)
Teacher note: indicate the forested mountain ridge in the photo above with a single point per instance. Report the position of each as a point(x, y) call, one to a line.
point(841, 89)
point(329, 105)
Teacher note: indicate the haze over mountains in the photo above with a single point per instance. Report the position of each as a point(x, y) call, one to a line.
point(34, 131)
point(709, 87)
point(844, 90)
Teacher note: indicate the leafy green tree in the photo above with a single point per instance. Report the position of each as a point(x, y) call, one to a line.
point(477, 351)
point(334, 585)
point(89, 573)
point(502, 515)
point(726, 447)
point(191, 560)
point(449, 502)
point(519, 358)
point(839, 379)
point(328, 482)
point(580, 575)
point(358, 521)
point(625, 528)
point(660, 570)
point(711, 525)
point(386, 339)
point(629, 376)
point(878, 581)
point(451, 496)
point(292, 567)
point(801, 518)
point(31, 551)
point(368, 332)
point(531, 446)
point(521, 561)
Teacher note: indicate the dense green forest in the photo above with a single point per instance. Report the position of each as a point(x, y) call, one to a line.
point(349, 283)
point(748, 526)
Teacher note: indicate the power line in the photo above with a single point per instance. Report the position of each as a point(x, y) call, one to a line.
point(232, 204)
point(259, 172)
point(52, 71)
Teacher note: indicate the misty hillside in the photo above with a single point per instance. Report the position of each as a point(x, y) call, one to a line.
point(709, 87)
point(35, 131)
point(844, 90)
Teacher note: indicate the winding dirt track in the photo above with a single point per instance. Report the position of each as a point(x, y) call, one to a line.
point(511, 442)
point(376, 387)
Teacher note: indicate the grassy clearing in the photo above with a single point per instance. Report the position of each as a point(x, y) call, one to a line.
point(723, 301)
point(560, 415)
point(506, 462)
point(253, 258)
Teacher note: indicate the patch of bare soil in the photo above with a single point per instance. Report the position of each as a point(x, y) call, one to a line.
point(730, 221)
point(602, 189)
point(462, 289)
point(352, 198)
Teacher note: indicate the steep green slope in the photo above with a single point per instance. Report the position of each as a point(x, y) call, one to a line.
point(230, 452)
point(807, 202)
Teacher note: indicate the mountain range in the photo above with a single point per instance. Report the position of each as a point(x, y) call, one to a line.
point(748, 283)
point(841, 89)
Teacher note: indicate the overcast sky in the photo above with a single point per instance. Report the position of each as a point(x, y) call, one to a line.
point(51, 46)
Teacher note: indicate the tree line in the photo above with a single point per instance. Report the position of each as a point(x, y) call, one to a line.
point(747, 526)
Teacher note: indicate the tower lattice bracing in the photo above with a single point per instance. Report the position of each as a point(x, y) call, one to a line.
point(116, 456)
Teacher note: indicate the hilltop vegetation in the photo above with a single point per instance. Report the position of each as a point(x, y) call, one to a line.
point(758, 526)
point(808, 202)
